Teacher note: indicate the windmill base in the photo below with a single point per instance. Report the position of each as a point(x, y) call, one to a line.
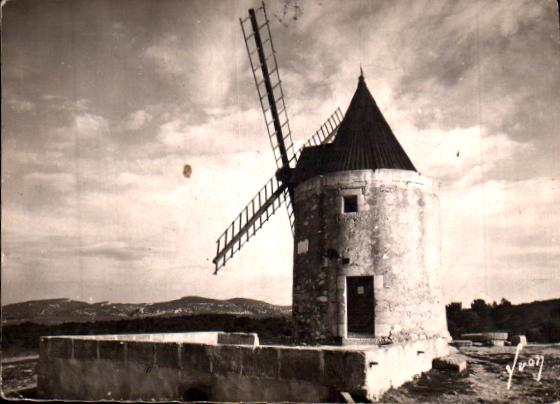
point(197, 367)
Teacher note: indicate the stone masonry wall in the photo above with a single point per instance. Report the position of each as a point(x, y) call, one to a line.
point(76, 368)
point(393, 237)
point(159, 367)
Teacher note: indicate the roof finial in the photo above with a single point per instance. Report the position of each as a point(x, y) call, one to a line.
point(361, 73)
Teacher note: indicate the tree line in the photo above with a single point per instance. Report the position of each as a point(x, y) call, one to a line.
point(539, 321)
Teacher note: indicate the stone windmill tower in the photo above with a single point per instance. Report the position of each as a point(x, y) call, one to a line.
point(366, 258)
point(365, 222)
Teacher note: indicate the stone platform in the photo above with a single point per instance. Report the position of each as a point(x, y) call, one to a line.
point(195, 366)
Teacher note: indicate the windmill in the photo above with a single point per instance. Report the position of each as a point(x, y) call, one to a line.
point(279, 189)
point(365, 222)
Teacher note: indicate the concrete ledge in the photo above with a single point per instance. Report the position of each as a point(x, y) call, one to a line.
point(485, 336)
point(199, 337)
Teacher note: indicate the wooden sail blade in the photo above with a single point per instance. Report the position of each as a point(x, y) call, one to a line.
point(290, 209)
point(264, 66)
point(325, 134)
point(327, 131)
point(267, 201)
point(249, 221)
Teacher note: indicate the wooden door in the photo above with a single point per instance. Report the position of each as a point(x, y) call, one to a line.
point(360, 305)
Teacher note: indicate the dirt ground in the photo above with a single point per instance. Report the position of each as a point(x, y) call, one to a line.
point(18, 375)
point(486, 378)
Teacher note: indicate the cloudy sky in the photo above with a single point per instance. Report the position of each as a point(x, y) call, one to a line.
point(104, 102)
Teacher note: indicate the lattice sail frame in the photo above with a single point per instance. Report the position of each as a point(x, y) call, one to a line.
point(267, 201)
point(264, 67)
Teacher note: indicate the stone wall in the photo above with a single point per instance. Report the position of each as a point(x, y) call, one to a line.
point(147, 368)
point(124, 368)
point(393, 237)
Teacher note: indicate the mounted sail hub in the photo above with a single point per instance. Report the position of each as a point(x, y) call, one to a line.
point(279, 190)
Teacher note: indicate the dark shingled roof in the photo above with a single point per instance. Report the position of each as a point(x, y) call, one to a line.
point(364, 141)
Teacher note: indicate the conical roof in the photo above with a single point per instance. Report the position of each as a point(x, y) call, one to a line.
point(364, 141)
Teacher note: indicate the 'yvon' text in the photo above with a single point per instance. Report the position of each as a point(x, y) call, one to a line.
point(536, 361)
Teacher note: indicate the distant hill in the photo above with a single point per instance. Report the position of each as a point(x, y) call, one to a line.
point(57, 311)
point(539, 321)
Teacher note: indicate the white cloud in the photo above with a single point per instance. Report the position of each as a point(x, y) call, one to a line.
point(83, 126)
point(231, 131)
point(62, 182)
point(90, 125)
point(204, 69)
point(165, 53)
point(500, 234)
point(137, 120)
point(20, 105)
point(61, 103)
point(172, 133)
point(460, 157)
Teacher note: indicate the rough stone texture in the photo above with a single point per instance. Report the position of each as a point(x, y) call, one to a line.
point(300, 364)
point(140, 369)
point(340, 368)
point(195, 356)
point(238, 338)
point(84, 349)
point(393, 237)
point(142, 352)
point(168, 355)
point(60, 348)
point(225, 358)
point(261, 362)
point(455, 363)
point(111, 350)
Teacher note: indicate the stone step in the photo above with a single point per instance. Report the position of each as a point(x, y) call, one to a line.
point(454, 362)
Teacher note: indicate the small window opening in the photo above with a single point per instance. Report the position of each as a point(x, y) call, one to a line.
point(350, 203)
point(332, 254)
point(346, 261)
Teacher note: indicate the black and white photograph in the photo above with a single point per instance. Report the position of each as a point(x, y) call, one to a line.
point(308, 201)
